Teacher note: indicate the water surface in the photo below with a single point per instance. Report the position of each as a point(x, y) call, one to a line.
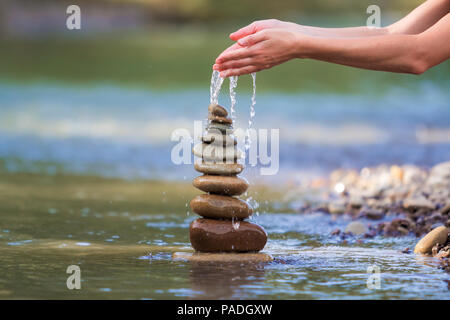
point(122, 235)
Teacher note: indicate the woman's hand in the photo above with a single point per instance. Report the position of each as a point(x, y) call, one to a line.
point(261, 50)
point(262, 25)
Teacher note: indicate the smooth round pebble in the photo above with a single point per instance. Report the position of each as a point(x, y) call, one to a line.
point(215, 152)
point(227, 185)
point(218, 138)
point(355, 228)
point(437, 235)
point(220, 207)
point(217, 110)
point(217, 119)
point(219, 168)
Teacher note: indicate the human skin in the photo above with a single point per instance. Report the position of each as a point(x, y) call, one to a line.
point(412, 45)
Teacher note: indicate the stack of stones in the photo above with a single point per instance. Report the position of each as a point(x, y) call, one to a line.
point(221, 228)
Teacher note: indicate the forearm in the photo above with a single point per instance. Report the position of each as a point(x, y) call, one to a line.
point(395, 53)
point(421, 18)
point(350, 32)
point(417, 21)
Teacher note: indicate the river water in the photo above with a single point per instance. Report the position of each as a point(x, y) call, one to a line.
point(125, 133)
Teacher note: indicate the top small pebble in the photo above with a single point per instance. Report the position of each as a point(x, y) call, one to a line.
point(217, 110)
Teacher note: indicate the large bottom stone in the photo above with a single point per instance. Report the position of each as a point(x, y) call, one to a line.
point(209, 235)
point(222, 257)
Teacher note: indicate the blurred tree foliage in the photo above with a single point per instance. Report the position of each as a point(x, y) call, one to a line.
point(225, 10)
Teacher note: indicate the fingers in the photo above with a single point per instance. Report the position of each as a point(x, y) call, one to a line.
point(234, 64)
point(252, 39)
point(234, 46)
point(245, 31)
point(242, 52)
point(239, 71)
point(234, 55)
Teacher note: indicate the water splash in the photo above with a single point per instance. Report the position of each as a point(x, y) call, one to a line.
point(214, 89)
point(233, 85)
point(235, 223)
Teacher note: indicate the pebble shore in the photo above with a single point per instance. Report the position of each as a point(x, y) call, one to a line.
point(396, 200)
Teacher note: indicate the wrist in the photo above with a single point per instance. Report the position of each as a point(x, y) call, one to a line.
point(304, 46)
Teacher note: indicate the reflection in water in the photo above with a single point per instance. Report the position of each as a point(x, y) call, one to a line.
point(211, 280)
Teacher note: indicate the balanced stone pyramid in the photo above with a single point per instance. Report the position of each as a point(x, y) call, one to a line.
point(221, 228)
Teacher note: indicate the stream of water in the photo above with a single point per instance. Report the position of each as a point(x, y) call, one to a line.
point(233, 85)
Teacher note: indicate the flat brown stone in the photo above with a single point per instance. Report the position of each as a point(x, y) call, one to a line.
point(217, 137)
point(222, 257)
point(209, 235)
point(214, 152)
point(219, 168)
point(220, 207)
point(227, 185)
point(217, 110)
point(222, 127)
point(220, 119)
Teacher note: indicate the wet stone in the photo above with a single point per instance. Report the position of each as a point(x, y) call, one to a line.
point(372, 214)
point(222, 127)
point(219, 168)
point(336, 207)
point(418, 203)
point(220, 119)
point(225, 185)
point(209, 235)
point(220, 207)
point(355, 228)
point(218, 138)
point(215, 152)
point(436, 236)
point(217, 110)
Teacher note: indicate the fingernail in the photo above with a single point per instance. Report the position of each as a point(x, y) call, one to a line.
point(216, 67)
point(242, 42)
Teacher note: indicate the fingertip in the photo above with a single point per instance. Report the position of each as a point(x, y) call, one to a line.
point(242, 42)
point(234, 36)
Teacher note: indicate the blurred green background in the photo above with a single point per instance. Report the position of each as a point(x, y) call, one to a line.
point(162, 44)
